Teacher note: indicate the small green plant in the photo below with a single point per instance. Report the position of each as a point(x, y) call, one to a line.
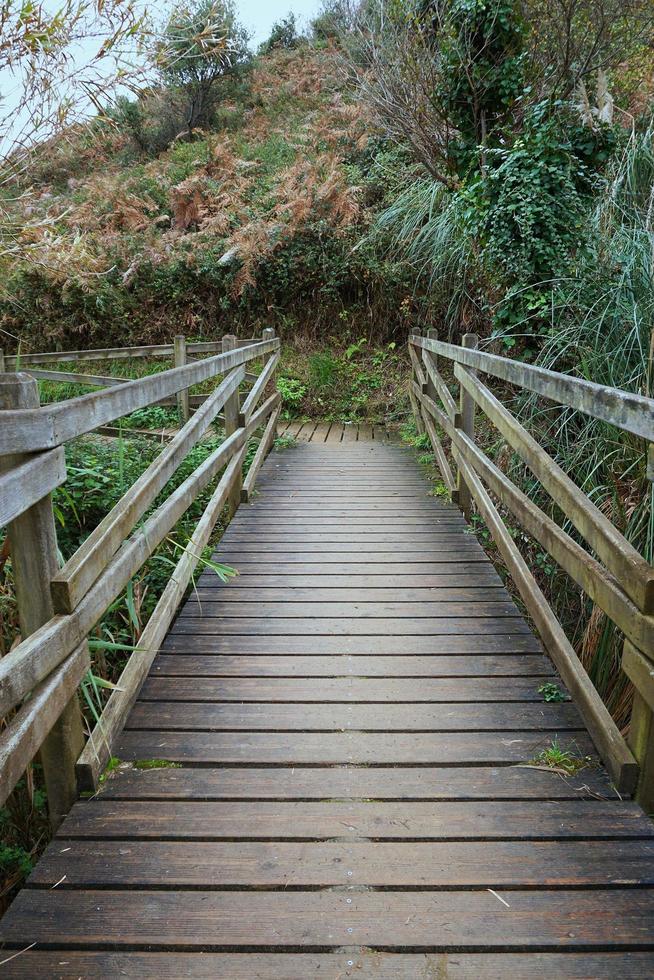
point(284, 442)
point(111, 767)
point(552, 692)
point(292, 391)
point(561, 760)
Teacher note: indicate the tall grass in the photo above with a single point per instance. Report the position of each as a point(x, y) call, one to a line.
point(603, 330)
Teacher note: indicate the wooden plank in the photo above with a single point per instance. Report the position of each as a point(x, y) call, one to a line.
point(339, 645)
point(340, 748)
point(344, 689)
point(508, 665)
point(626, 410)
point(178, 714)
point(28, 430)
point(358, 609)
point(80, 571)
point(335, 433)
point(321, 432)
point(305, 431)
point(468, 578)
point(71, 965)
point(239, 592)
point(458, 920)
point(634, 573)
point(349, 783)
point(491, 820)
point(329, 626)
point(260, 864)
point(365, 432)
point(30, 481)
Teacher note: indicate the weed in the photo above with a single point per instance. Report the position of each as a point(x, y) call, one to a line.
point(552, 692)
point(558, 758)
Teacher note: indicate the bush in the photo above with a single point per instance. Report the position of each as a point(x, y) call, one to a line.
point(283, 35)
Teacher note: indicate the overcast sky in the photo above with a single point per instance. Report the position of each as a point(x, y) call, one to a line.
point(258, 16)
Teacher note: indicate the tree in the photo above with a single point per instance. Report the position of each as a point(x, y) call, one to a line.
point(284, 34)
point(59, 64)
point(202, 43)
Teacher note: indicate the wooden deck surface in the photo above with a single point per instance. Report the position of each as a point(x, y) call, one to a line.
point(352, 725)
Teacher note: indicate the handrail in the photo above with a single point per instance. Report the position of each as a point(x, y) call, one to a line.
point(612, 573)
point(58, 608)
point(18, 362)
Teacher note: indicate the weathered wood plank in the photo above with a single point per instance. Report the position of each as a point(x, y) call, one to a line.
point(468, 864)
point(357, 609)
point(180, 715)
point(312, 644)
point(348, 783)
point(490, 820)
point(341, 748)
point(330, 626)
point(243, 665)
point(435, 689)
point(71, 965)
point(265, 443)
point(457, 920)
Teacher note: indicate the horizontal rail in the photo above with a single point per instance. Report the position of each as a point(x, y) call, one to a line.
point(17, 362)
point(98, 749)
point(634, 573)
point(71, 377)
point(586, 571)
point(258, 389)
point(25, 733)
point(32, 660)
point(82, 569)
point(615, 576)
point(626, 410)
point(28, 430)
point(25, 484)
point(621, 764)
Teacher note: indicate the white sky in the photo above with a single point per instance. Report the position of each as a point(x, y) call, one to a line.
point(258, 16)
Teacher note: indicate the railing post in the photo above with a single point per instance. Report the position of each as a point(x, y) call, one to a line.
point(269, 334)
point(465, 420)
point(33, 545)
point(180, 361)
point(232, 407)
point(3, 366)
point(415, 407)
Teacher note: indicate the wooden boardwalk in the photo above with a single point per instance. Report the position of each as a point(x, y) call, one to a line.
point(353, 724)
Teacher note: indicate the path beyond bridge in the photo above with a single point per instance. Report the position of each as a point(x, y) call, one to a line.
point(334, 769)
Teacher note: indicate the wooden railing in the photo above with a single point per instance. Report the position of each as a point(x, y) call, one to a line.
point(611, 573)
point(57, 607)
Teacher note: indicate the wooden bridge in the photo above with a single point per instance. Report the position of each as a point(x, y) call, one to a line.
point(335, 765)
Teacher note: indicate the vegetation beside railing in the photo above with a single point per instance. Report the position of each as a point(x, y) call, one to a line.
point(60, 607)
point(585, 543)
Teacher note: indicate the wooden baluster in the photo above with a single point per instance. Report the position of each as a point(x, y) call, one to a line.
point(180, 361)
point(465, 420)
point(33, 544)
point(415, 407)
point(269, 334)
point(232, 408)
